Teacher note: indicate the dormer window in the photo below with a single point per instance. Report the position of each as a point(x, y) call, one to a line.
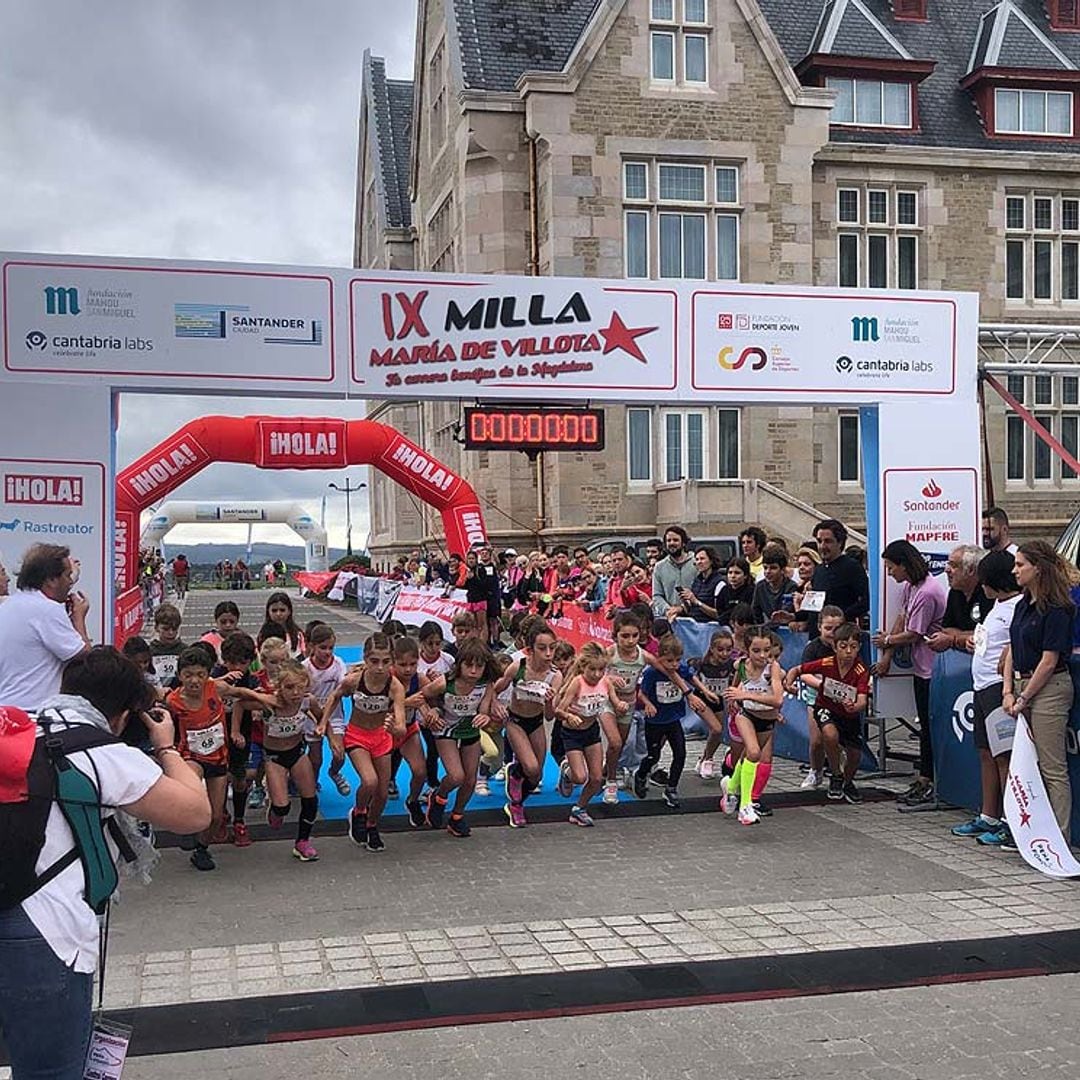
point(1064, 14)
point(870, 103)
point(1033, 112)
point(910, 9)
point(679, 42)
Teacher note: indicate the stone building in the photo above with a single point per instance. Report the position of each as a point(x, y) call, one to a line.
point(896, 145)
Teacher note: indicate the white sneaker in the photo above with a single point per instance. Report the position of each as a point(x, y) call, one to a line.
point(706, 769)
point(481, 786)
point(566, 781)
point(728, 803)
point(811, 780)
point(748, 816)
point(500, 776)
point(611, 794)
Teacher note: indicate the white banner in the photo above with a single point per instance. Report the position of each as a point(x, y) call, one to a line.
point(1029, 814)
point(386, 599)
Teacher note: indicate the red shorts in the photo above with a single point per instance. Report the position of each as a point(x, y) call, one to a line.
point(479, 608)
point(377, 743)
point(410, 731)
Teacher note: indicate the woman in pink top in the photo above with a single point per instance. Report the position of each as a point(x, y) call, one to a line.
point(922, 604)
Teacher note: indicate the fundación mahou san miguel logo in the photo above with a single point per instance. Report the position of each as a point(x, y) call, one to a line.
point(62, 300)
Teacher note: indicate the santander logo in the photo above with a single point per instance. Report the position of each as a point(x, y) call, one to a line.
point(931, 491)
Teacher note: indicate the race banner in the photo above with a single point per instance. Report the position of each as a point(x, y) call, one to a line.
point(1029, 814)
point(315, 581)
point(128, 616)
point(386, 597)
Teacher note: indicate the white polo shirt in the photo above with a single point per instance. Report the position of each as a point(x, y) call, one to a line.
point(36, 641)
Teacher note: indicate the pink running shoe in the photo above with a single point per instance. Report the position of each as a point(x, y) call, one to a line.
point(514, 787)
point(515, 812)
point(304, 850)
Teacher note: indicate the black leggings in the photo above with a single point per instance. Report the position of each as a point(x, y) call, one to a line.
point(922, 709)
point(655, 737)
point(431, 756)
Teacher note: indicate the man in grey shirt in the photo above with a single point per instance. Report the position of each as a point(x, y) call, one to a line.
point(674, 572)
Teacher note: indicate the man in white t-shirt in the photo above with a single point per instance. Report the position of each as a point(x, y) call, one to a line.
point(42, 626)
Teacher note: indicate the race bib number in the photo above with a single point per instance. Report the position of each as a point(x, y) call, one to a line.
point(533, 691)
point(840, 691)
point(982, 638)
point(372, 704)
point(203, 742)
point(283, 727)
point(461, 707)
point(716, 686)
point(165, 668)
point(667, 693)
point(813, 601)
point(591, 705)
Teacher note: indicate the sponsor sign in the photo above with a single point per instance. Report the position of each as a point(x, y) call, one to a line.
point(128, 615)
point(454, 337)
point(934, 509)
point(165, 468)
point(37, 489)
point(816, 342)
point(301, 444)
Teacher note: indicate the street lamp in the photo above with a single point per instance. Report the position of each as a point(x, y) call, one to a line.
point(348, 490)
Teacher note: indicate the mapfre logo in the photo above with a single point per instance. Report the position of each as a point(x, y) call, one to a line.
point(752, 353)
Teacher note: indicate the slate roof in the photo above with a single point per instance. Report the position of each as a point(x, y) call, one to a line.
point(1007, 39)
point(502, 39)
point(390, 106)
point(850, 28)
point(947, 113)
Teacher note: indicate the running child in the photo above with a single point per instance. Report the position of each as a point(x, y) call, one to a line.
point(583, 702)
point(434, 661)
point(627, 661)
point(663, 700)
point(226, 620)
point(272, 653)
point(327, 672)
point(533, 681)
point(830, 619)
point(378, 715)
point(463, 627)
point(712, 676)
point(279, 612)
point(200, 730)
point(237, 658)
point(408, 746)
point(562, 660)
point(165, 645)
point(464, 698)
point(285, 751)
point(841, 701)
point(757, 693)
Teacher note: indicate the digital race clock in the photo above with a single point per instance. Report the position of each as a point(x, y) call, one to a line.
point(493, 427)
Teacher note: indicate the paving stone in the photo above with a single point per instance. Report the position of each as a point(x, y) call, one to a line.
point(291, 970)
point(385, 939)
point(445, 971)
point(310, 945)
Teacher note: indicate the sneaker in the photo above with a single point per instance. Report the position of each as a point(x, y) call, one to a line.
point(566, 781)
point(996, 837)
point(357, 826)
point(611, 794)
point(275, 821)
point(706, 768)
point(671, 799)
point(539, 785)
point(257, 797)
point(515, 814)
point(374, 841)
point(913, 789)
point(761, 809)
point(201, 859)
point(728, 803)
point(458, 826)
point(919, 795)
point(851, 793)
point(343, 785)
point(240, 835)
point(500, 776)
point(304, 850)
point(222, 834)
point(836, 788)
point(392, 790)
point(188, 842)
point(580, 816)
point(416, 814)
point(514, 786)
point(1008, 843)
point(812, 779)
point(481, 786)
point(975, 827)
point(641, 785)
point(435, 811)
point(658, 778)
point(748, 815)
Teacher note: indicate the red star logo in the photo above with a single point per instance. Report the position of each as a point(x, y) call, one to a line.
point(617, 335)
point(1024, 817)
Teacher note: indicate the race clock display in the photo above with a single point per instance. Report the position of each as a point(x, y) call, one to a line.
point(496, 427)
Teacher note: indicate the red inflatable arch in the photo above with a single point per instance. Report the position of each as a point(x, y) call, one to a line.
point(277, 442)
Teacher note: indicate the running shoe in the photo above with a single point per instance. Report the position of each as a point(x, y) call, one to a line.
point(566, 781)
point(658, 778)
point(240, 835)
point(641, 785)
point(812, 779)
point(706, 768)
point(458, 826)
point(357, 826)
point(435, 811)
point(580, 816)
point(611, 794)
point(671, 799)
point(343, 785)
point(919, 795)
point(500, 776)
point(728, 803)
point(392, 790)
point(761, 809)
point(975, 827)
point(748, 816)
point(514, 787)
point(997, 837)
point(221, 836)
point(257, 797)
point(539, 784)
point(201, 859)
point(482, 786)
point(851, 793)
point(836, 788)
point(515, 814)
point(374, 841)
point(274, 820)
point(304, 850)
point(416, 814)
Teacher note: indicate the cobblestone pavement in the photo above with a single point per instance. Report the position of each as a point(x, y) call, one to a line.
point(1017, 1029)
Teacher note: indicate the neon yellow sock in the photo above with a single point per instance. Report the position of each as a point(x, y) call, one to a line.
point(736, 779)
point(746, 784)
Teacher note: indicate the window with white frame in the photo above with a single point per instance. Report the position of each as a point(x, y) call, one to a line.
point(871, 103)
point(681, 220)
point(848, 471)
point(1054, 400)
point(685, 449)
point(441, 237)
point(437, 97)
point(639, 446)
point(877, 236)
point(679, 42)
point(1033, 112)
point(1042, 247)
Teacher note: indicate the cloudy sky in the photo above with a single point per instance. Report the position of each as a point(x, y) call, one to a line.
point(194, 129)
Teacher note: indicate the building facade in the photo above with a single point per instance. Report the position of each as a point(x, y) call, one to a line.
point(896, 145)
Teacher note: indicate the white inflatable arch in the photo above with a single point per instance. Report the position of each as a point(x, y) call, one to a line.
point(172, 513)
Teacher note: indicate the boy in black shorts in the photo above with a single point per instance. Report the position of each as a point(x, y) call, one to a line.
point(830, 620)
